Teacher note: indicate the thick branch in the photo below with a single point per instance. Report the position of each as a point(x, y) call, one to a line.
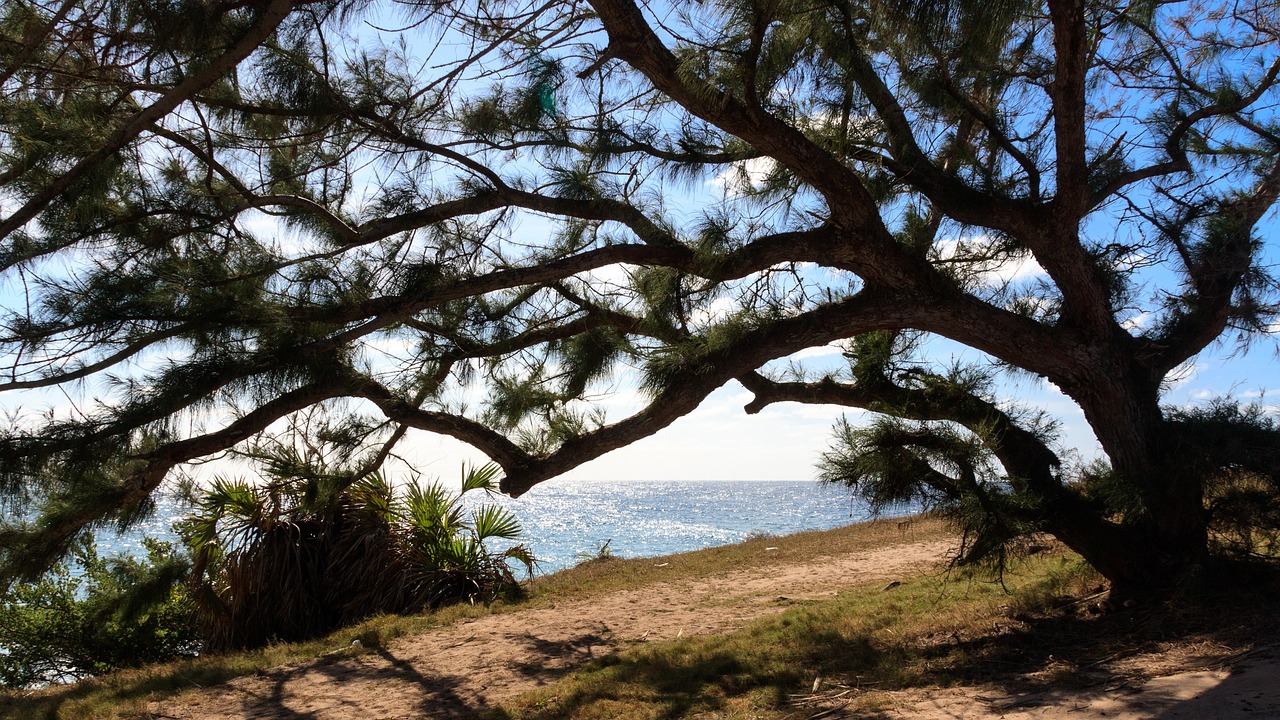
point(1215, 278)
point(33, 38)
point(912, 166)
point(1070, 43)
point(129, 350)
point(1025, 457)
point(1178, 161)
point(56, 531)
point(680, 395)
point(871, 247)
point(1022, 453)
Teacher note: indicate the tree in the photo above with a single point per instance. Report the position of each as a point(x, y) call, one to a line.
point(217, 215)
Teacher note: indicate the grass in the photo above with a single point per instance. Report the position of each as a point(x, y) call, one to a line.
point(126, 693)
point(920, 632)
point(603, 575)
point(815, 655)
point(1034, 631)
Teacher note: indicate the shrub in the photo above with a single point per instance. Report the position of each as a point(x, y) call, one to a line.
point(300, 556)
point(1235, 448)
point(602, 553)
point(96, 615)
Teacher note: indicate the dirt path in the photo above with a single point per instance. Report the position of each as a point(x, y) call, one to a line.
point(452, 672)
point(1245, 689)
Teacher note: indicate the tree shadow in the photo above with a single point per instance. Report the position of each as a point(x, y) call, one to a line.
point(177, 678)
point(672, 687)
point(432, 695)
point(1052, 657)
point(1076, 656)
point(700, 678)
point(1251, 690)
point(553, 659)
point(1065, 656)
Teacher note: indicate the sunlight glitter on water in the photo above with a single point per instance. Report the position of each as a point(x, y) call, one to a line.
point(566, 521)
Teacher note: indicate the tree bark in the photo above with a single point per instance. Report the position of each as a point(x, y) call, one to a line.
point(1165, 540)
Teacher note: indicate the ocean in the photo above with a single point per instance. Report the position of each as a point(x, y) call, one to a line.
point(565, 522)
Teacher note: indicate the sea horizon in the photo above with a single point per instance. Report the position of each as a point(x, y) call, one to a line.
point(567, 521)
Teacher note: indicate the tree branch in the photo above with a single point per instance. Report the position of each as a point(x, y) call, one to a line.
point(270, 16)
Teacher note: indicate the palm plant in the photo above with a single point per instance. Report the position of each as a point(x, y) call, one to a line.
point(449, 559)
point(300, 556)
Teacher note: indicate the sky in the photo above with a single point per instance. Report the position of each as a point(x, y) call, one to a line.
point(784, 441)
point(719, 441)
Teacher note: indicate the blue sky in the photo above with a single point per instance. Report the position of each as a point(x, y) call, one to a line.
point(720, 442)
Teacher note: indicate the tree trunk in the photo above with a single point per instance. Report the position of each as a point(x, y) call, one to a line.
point(1163, 539)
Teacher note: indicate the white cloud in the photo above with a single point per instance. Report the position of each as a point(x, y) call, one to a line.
point(743, 176)
point(1183, 374)
point(1137, 322)
point(715, 311)
point(1001, 270)
point(612, 276)
point(273, 232)
point(1017, 270)
point(820, 351)
point(391, 345)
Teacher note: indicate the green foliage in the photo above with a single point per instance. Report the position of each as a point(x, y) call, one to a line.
point(1233, 451)
point(894, 464)
point(300, 556)
point(862, 640)
point(95, 615)
point(221, 214)
point(589, 357)
point(1235, 448)
point(1226, 435)
point(602, 553)
point(971, 31)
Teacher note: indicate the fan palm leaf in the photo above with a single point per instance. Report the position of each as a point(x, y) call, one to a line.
point(492, 521)
point(484, 478)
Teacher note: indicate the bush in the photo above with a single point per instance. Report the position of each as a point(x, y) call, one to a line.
point(602, 553)
point(95, 615)
point(301, 556)
point(1235, 448)
point(290, 558)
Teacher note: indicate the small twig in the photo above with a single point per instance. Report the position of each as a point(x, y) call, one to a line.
point(828, 711)
point(460, 642)
point(1108, 658)
point(1237, 657)
point(1082, 600)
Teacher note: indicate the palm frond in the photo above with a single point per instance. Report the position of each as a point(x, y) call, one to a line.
point(484, 478)
point(492, 521)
